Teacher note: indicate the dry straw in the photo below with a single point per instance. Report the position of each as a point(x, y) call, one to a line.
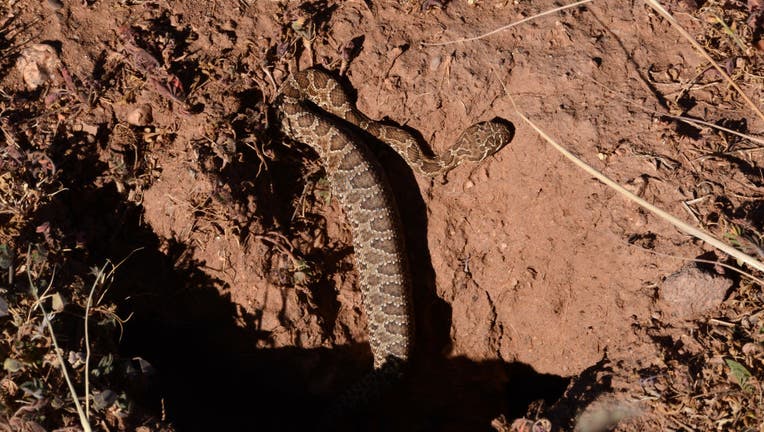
point(61, 362)
point(508, 26)
point(664, 13)
point(682, 226)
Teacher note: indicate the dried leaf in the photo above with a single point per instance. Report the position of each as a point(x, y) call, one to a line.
point(104, 399)
point(6, 257)
point(57, 302)
point(38, 64)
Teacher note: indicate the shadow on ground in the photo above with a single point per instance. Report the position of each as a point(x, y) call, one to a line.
point(209, 374)
point(213, 377)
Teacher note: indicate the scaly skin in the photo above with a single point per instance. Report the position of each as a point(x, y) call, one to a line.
point(366, 198)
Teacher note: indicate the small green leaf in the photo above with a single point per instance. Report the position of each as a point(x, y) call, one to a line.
point(12, 365)
point(740, 374)
point(57, 302)
point(298, 24)
point(57, 403)
point(300, 278)
point(33, 388)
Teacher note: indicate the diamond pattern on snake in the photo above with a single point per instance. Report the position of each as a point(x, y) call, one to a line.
point(311, 102)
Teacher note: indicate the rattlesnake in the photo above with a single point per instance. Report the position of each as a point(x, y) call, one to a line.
point(311, 102)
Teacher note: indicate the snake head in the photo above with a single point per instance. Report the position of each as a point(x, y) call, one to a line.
point(484, 139)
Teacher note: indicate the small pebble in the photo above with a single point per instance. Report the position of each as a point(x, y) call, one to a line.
point(54, 4)
point(435, 62)
point(37, 64)
point(140, 116)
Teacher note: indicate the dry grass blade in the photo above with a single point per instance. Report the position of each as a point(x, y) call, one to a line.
point(701, 235)
point(101, 276)
point(83, 418)
point(508, 26)
point(659, 8)
point(688, 120)
point(98, 279)
point(717, 127)
point(703, 261)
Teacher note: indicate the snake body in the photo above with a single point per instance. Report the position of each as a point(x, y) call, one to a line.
point(311, 103)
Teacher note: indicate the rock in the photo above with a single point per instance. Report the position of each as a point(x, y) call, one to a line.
point(140, 116)
point(690, 292)
point(87, 128)
point(38, 64)
point(54, 4)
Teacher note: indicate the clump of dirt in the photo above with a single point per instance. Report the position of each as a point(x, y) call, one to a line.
point(141, 156)
point(690, 293)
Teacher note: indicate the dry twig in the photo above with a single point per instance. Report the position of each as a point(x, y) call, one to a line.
point(508, 26)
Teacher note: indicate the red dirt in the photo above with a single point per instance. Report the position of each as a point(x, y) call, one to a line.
point(522, 260)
